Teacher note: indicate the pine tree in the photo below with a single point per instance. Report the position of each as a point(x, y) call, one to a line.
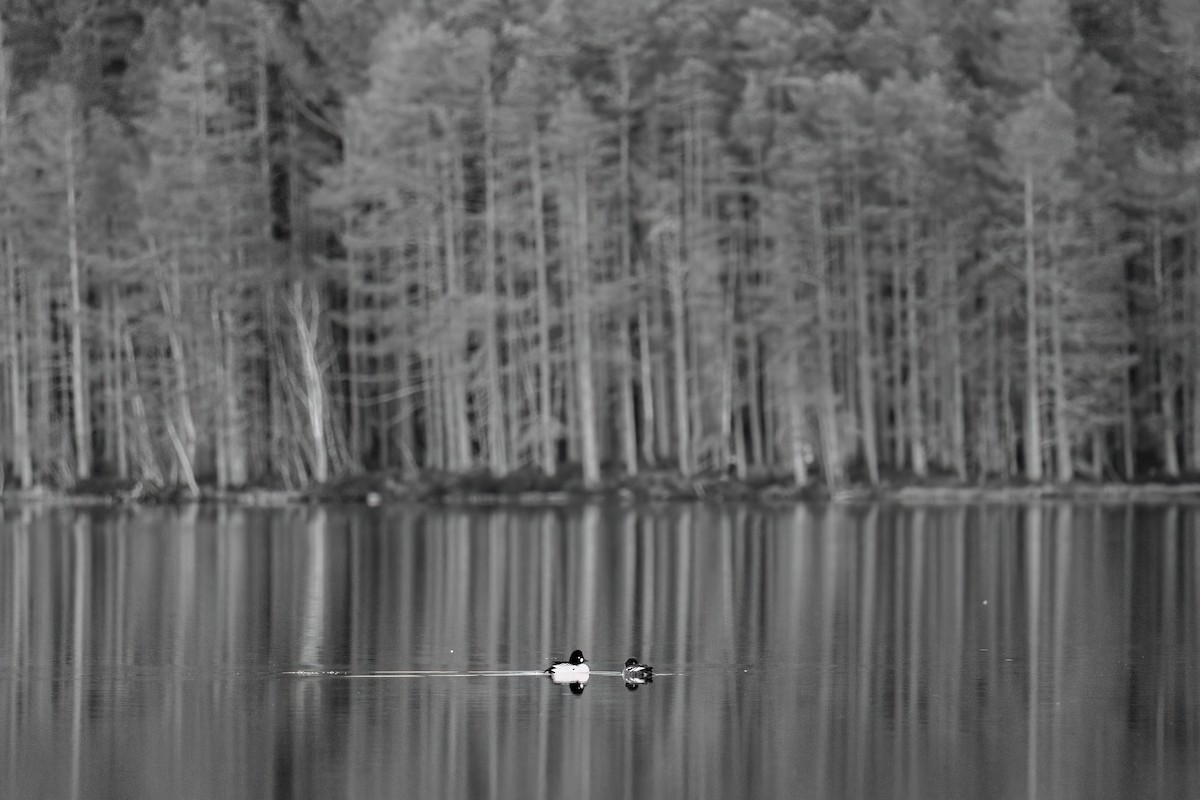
point(17, 447)
point(52, 154)
point(197, 208)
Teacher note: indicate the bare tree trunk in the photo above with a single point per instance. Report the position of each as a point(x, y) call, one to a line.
point(497, 457)
point(1009, 438)
point(1033, 424)
point(222, 437)
point(1128, 442)
point(991, 453)
point(1099, 453)
point(694, 251)
point(754, 379)
point(356, 362)
point(148, 467)
point(866, 366)
point(728, 361)
point(262, 120)
point(433, 384)
point(183, 457)
point(456, 389)
point(121, 444)
point(831, 455)
point(675, 279)
point(583, 333)
point(1062, 434)
point(306, 314)
point(646, 373)
point(183, 438)
point(796, 407)
point(547, 435)
point(898, 424)
point(38, 373)
point(1193, 326)
point(1164, 357)
point(22, 455)
point(656, 433)
point(79, 401)
point(237, 471)
point(628, 423)
point(958, 411)
point(916, 417)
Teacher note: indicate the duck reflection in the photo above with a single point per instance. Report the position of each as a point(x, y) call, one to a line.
point(576, 683)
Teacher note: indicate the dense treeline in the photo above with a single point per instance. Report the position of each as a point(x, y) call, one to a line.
point(282, 240)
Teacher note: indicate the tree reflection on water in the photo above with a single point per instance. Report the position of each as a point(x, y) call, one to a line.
point(883, 651)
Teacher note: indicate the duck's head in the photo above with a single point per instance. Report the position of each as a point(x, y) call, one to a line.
point(630, 662)
point(577, 658)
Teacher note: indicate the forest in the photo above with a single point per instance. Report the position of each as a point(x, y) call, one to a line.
point(275, 242)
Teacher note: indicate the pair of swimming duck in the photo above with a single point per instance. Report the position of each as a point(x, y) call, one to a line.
point(575, 671)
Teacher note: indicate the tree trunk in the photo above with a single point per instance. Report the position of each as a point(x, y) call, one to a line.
point(796, 407)
point(1062, 434)
point(237, 472)
point(675, 280)
point(646, 376)
point(121, 445)
point(728, 363)
point(546, 435)
point(1009, 437)
point(79, 402)
point(21, 454)
point(991, 448)
point(44, 445)
point(916, 417)
point(148, 467)
point(221, 441)
point(183, 437)
point(583, 333)
point(1193, 326)
point(831, 455)
point(355, 360)
point(455, 337)
point(628, 424)
point(1099, 454)
point(497, 458)
point(1033, 425)
point(898, 342)
point(754, 400)
point(1164, 359)
point(866, 366)
point(306, 314)
point(1128, 441)
point(958, 411)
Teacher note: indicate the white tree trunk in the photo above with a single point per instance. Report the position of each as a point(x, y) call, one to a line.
point(79, 404)
point(306, 311)
point(1033, 424)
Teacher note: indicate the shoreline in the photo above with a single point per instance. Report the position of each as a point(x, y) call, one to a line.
point(532, 489)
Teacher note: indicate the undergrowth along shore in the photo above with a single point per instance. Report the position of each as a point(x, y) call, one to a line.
point(531, 487)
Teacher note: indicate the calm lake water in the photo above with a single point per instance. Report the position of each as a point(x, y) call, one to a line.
point(1048, 651)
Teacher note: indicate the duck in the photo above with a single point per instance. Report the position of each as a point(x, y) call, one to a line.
point(574, 670)
point(636, 674)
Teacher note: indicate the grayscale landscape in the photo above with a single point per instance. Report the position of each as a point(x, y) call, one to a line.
point(837, 359)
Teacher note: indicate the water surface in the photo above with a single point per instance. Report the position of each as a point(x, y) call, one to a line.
point(986, 652)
